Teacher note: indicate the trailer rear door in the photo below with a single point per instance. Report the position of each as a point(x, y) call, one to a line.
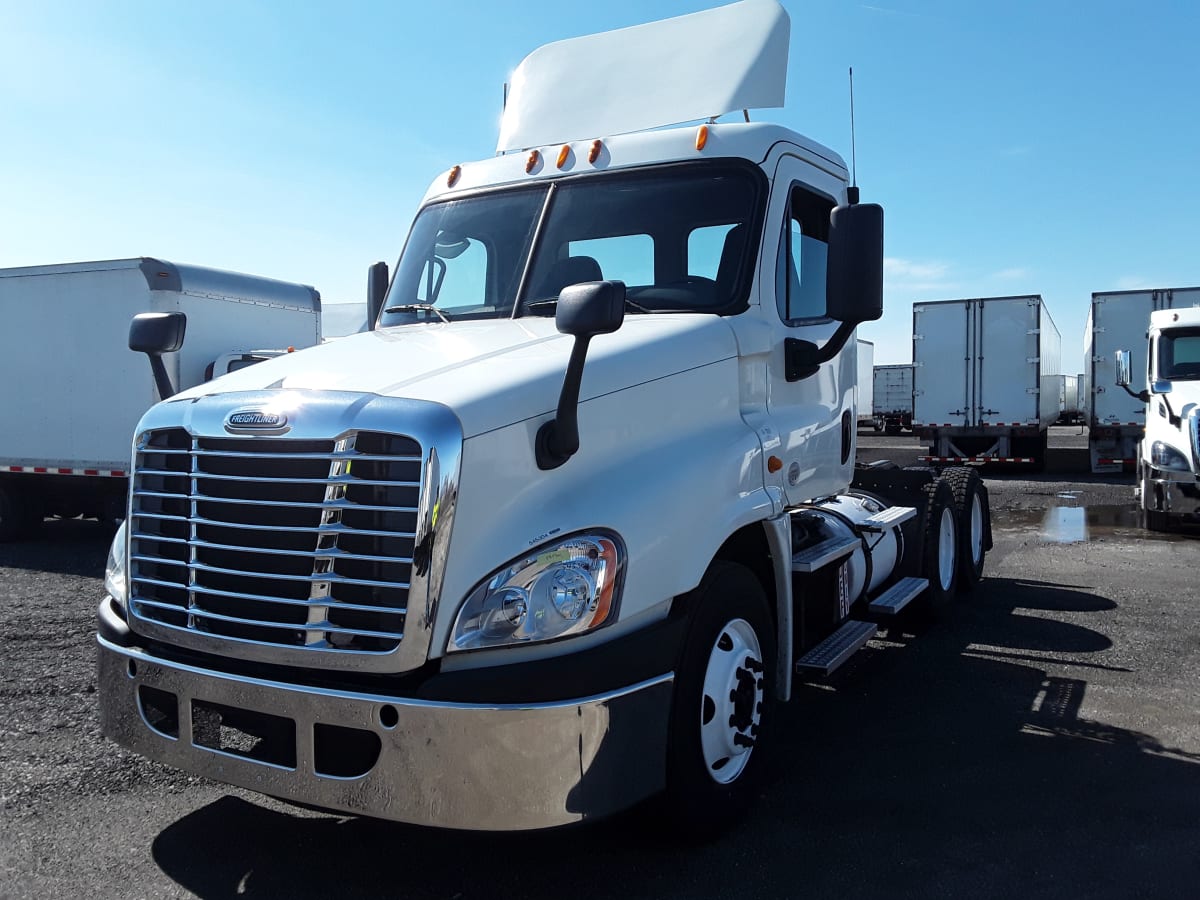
point(943, 377)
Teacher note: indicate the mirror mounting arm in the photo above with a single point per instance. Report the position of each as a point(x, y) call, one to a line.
point(1142, 396)
point(803, 359)
point(558, 440)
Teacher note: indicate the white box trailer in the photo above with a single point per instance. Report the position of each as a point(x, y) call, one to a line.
point(980, 378)
point(1067, 389)
point(77, 391)
point(862, 400)
point(1120, 320)
point(892, 397)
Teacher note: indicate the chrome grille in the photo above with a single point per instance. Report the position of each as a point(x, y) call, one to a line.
point(293, 543)
point(1195, 429)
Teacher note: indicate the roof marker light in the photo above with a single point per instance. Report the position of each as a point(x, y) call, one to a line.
point(534, 156)
point(701, 137)
point(452, 178)
point(594, 153)
point(563, 155)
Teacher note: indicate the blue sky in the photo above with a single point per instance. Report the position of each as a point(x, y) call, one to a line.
point(1025, 147)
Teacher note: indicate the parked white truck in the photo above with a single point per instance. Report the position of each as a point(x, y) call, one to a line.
point(558, 533)
point(864, 364)
point(65, 445)
point(1168, 456)
point(1118, 320)
point(892, 397)
point(980, 371)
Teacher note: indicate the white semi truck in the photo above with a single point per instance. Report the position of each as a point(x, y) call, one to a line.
point(892, 397)
point(559, 532)
point(77, 392)
point(1118, 320)
point(1168, 456)
point(980, 373)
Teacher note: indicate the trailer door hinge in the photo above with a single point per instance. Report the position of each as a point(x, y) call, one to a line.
point(1099, 390)
point(1034, 331)
point(1033, 359)
point(1033, 390)
point(1098, 330)
point(918, 337)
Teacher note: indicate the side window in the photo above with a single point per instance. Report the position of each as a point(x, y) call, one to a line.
point(456, 276)
point(704, 249)
point(626, 257)
point(803, 255)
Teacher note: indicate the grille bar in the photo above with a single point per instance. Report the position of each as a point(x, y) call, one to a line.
point(324, 505)
point(324, 627)
point(263, 546)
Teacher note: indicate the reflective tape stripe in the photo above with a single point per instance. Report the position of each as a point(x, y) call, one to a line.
point(46, 470)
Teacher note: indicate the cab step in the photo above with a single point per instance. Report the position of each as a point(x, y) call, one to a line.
point(888, 518)
point(837, 648)
point(898, 596)
point(822, 554)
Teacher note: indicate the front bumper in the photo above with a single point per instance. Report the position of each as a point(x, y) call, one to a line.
point(456, 765)
point(1175, 493)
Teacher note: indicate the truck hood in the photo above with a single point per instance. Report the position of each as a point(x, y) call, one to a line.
point(490, 373)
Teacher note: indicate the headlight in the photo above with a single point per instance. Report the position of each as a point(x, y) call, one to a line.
point(1164, 456)
point(559, 590)
point(115, 581)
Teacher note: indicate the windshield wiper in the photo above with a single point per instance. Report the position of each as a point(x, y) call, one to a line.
point(541, 304)
point(427, 307)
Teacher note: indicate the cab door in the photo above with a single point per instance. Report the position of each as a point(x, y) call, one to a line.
point(813, 416)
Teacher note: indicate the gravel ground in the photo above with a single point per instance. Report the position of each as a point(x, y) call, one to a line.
point(1043, 740)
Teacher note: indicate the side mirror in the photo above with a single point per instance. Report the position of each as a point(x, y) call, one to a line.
point(377, 285)
point(1122, 364)
point(584, 311)
point(854, 277)
point(155, 334)
point(590, 308)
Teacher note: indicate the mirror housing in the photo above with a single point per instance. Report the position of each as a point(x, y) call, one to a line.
point(1121, 361)
point(155, 334)
point(854, 275)
point(584, 311)
point(1161, 387)
point(590, 308)
point(377, 285)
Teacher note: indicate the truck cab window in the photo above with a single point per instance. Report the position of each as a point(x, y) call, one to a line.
point(1179, 355)
point(803, 256)
point(704, 248)
point(622, 257)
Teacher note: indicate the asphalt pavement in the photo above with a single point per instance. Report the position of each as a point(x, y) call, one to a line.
point(1042, 740)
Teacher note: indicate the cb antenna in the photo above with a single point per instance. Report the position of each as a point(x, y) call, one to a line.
point(852, 191)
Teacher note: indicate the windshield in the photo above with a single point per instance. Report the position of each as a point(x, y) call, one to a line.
point(1179, 354)
point(680, 238)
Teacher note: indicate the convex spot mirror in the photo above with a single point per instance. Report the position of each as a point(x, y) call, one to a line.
point(854, 279)
point(591, 307)
point(1122, 364)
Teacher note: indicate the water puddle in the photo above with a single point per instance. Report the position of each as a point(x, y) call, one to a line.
point(1070, 524)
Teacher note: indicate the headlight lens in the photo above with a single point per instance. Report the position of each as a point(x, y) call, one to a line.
point(1164, 456)
point(115, 581)
point(559, 590)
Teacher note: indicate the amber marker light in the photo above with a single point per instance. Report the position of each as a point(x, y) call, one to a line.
point(701, 137)
point(534, 156)
point(563, 155)
point(452, 178)
point(594, 153)
point(774, 464)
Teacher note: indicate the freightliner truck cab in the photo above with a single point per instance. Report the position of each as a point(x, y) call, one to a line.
point(558, 533)
point(1168, 460)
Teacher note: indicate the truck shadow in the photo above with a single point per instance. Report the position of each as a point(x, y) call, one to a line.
point(63, 547)
point(959, 764)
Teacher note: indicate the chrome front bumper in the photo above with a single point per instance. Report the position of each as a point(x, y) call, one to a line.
point(487, 767)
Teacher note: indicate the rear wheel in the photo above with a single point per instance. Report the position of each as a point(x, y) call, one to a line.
point(939, 561)
point(974, 517)
point(723, 701)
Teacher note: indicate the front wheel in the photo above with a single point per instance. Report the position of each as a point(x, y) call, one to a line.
point(723, 701)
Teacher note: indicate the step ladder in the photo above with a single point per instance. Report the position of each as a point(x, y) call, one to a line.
point(822, 554)
point(888, 518)
point(836, 649)
point(898, 596)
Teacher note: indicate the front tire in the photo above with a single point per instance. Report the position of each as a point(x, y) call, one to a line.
point(724, 698)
